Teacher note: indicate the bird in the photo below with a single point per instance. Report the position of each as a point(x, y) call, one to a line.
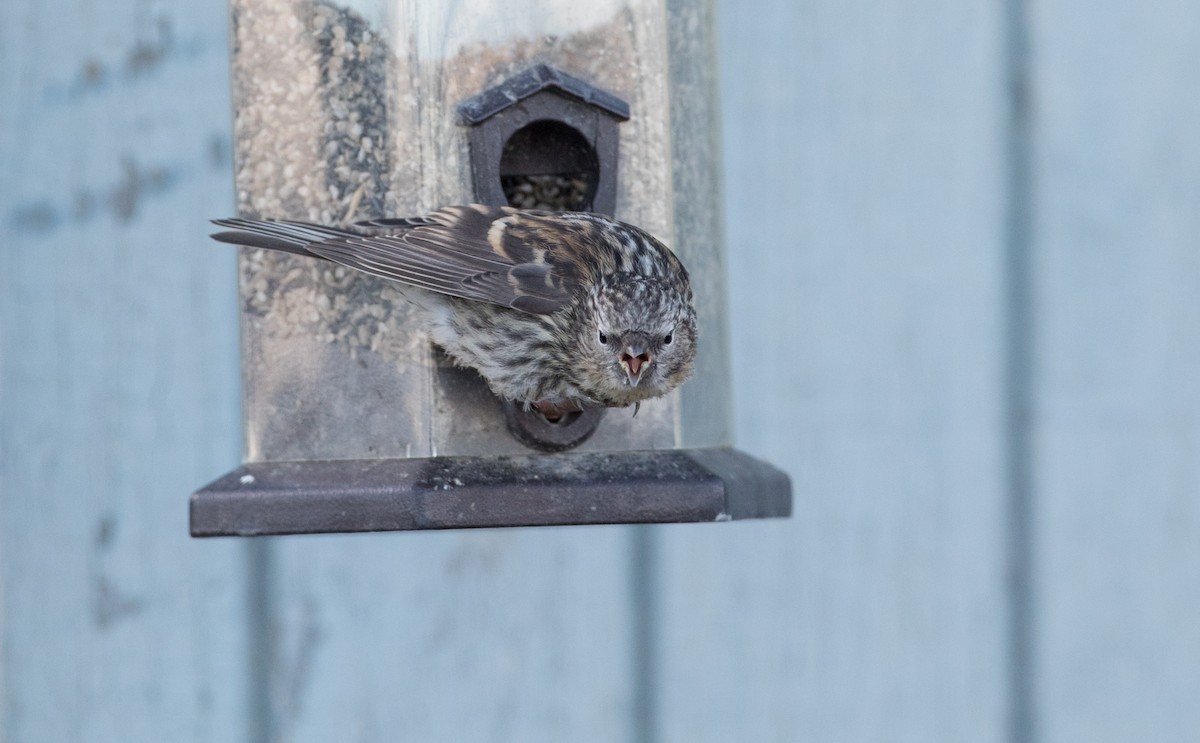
point(560, 312)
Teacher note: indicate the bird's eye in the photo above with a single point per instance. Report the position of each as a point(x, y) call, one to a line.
point(603, 338)
point(668, 339)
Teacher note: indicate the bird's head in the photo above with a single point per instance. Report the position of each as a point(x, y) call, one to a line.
point(638, 341)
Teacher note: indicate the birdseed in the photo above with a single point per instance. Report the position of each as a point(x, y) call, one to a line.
point(311, 87)
point(551, 192)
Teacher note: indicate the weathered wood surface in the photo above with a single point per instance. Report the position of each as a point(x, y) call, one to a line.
point(118, 376)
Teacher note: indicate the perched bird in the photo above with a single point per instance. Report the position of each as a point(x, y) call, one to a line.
point(562, 311)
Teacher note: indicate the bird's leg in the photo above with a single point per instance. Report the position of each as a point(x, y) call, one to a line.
point(555, 411)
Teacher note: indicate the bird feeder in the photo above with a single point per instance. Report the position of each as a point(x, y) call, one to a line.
point(354, 421)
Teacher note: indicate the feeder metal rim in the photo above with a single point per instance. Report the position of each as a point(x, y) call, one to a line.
point(626, 487)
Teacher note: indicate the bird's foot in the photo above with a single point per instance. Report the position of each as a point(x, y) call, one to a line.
point(557, 412)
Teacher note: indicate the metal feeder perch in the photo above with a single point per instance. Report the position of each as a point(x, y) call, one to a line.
point(354, 421)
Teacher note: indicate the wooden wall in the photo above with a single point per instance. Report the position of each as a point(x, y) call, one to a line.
point(118, 377)
point(964, 255)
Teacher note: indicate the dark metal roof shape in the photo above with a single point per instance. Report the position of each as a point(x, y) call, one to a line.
point(534, 80)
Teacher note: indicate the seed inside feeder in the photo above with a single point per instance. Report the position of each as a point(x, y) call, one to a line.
point(558, 193)
point(549, 165)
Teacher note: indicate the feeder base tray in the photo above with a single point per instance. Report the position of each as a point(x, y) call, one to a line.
point(635, 487)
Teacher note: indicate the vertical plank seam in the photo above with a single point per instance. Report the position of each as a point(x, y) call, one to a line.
point(260, 649)
point(1018, 375)
point(644, 589)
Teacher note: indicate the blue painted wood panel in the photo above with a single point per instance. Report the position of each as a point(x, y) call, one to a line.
point(1116, 349)
point(507, 635)
point(869, 188)
point(864, 180)
point(118, 376)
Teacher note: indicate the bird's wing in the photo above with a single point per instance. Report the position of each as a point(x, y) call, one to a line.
point(463, 251)
point(392, 224)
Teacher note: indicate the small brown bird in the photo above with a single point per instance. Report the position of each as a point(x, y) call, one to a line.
point(562, 311)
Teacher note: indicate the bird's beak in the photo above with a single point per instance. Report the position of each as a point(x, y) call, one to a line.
point(634, 359)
